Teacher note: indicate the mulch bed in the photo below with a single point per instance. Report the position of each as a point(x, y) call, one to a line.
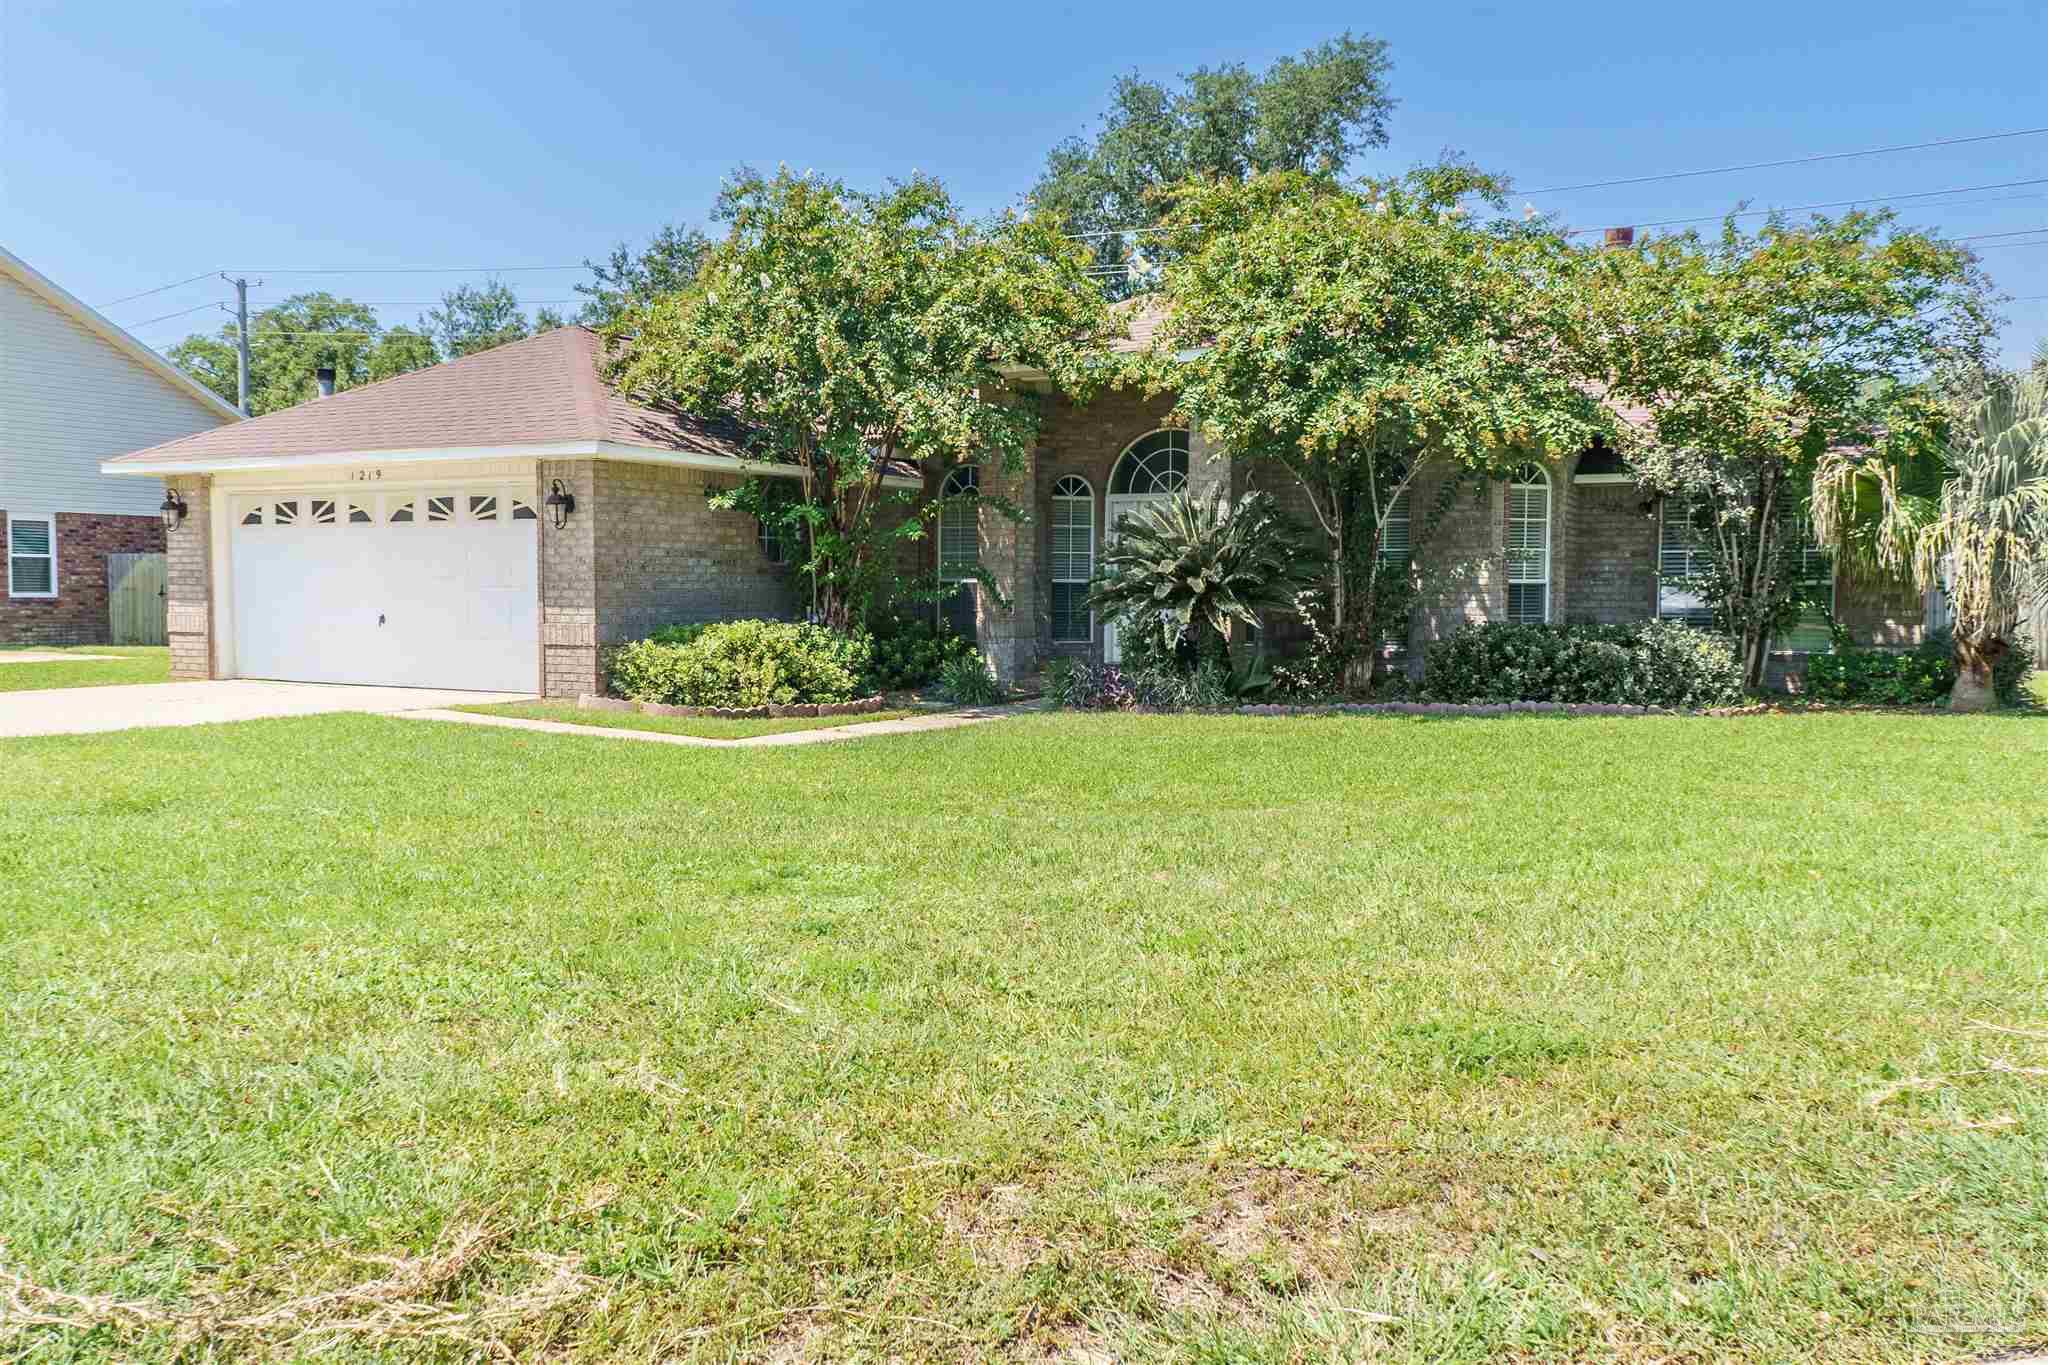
point(654, 708)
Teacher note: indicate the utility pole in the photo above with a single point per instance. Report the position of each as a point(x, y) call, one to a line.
point(241, 343)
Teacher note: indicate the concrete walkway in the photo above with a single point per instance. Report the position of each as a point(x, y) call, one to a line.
point(86, 710)
point(50, 656)
point(906, 725)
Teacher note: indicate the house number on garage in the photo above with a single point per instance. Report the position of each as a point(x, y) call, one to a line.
point(364, 475)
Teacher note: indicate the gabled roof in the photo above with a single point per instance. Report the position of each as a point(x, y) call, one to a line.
point(113, 334)
point(543, 396)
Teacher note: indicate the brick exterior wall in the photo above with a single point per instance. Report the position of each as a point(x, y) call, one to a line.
point(1084, 440)
point(1610, 572)
point(643, 550)
point(664, 557)
point(77, 615)
point(188, 566)
point(568, 583)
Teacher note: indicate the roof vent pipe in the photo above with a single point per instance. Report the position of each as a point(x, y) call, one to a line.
point(325, 374)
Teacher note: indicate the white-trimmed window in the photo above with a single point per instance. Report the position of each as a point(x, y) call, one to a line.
point(1684, 550)
point(1152, 466)
point(31, 555)
point(1529, 545)
point(1073, 558)
point(960, 546)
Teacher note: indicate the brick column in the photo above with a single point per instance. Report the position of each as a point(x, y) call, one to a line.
point(1009, 551)
point(188, 586)
point(568, 583)
point(1209, 465)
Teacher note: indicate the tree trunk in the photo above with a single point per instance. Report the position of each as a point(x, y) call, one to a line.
point(1976, 689)
point(1754, 657)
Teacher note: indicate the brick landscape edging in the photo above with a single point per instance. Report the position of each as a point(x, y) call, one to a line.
point(587, 702)
point(1506, 708)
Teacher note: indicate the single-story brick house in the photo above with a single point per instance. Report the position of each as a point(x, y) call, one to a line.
point(496, 521)
point(76, 388)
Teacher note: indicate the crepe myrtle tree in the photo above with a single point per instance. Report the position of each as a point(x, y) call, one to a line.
point(1754, 354)
point(850, 334)
point(1358, 337)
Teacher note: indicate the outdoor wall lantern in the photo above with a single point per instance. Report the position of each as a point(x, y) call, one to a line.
point(173, 510)
point(561, 502)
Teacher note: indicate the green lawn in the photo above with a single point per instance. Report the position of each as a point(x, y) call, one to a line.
point(134, 664)
point(705, 727)
point(1203, 1038)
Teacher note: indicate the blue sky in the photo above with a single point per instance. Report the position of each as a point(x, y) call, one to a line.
point(143, 143)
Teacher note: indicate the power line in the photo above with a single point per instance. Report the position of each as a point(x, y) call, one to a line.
point(416, 269)
point(1986, 236)
point(1788, 161)
point(158, 290)
point(1842, 203)
point(180, 313)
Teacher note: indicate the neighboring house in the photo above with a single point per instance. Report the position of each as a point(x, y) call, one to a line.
point(402, 532)
point(75, 389)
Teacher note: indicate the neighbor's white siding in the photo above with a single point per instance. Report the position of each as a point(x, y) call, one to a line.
point(68, 400)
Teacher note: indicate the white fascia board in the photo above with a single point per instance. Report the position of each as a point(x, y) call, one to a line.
point(237, 464)
point(1603, 478)
point(555, 450)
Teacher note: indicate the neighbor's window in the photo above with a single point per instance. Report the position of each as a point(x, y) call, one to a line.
point(31, 555)
point(1073, 558)
point(1683, 550)
point(960, 547)
point(1529, 545)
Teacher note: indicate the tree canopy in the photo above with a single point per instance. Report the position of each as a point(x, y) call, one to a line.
point(1358, 336)
point(668, 263)
point(850, 332)
point(1755, 354)
point(288, 343)
point(292, 340)
point(1312, 113)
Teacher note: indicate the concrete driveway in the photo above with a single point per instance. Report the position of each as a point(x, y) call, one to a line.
point(82, 710)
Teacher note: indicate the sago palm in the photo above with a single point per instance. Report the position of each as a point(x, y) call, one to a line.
point(1189, 565)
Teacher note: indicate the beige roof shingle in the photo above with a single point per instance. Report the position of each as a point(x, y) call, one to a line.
point(545, 390)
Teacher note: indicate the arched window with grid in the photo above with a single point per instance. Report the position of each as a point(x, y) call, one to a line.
point(1073, 559)
point(960, 547)
point(1529, 545)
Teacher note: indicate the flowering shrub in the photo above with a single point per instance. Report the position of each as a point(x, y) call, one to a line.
point(1655, 663)
point(740, 663)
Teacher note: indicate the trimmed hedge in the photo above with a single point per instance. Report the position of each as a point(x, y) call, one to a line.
point(1654, 663)
point(740, 664)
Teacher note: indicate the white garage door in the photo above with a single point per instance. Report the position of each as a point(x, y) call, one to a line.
point(431, 587)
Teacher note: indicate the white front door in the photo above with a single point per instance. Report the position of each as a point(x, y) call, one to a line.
point(1114, 507)
point(430, 587)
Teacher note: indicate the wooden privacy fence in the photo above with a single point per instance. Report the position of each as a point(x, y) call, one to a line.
point(135, 599)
